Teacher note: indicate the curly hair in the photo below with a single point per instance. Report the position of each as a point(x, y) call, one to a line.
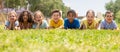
point(30, 17)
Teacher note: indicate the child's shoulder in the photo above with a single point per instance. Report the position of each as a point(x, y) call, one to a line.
point(16, 21)
point(84, 21)
point(66, 19)
point(51, 20)
point(44, 21)
point(113, 22)
point(76, 19)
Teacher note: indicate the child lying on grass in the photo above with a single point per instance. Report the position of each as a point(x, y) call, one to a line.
point(12, 23)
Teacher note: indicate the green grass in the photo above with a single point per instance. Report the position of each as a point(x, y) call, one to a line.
point(59, 40)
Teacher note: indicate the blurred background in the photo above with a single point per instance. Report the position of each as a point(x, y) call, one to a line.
point(46, 6)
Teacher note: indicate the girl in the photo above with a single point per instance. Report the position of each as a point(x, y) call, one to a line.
point(71, 22)
point(39, 21)
point(89, 22)
point(25, 20)
point(12, 22)
point(56, 21)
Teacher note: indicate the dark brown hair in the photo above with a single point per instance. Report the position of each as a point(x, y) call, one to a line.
point(30, 17)
point(71, 11)
point(56, 11)
point(109, 12)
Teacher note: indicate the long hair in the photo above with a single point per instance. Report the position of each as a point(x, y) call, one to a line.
point(30, 17)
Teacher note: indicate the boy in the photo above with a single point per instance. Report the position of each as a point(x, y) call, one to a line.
point(108, 22)
point(71, 22)
point(56, 21)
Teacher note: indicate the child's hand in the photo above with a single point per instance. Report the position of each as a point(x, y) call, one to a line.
point(17, 28)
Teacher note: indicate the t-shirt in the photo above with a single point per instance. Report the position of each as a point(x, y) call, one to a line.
point(87, 26)
point(74, 25)
point(56, 25)
point(7, 23)
point(42, 26)
point(106, 25)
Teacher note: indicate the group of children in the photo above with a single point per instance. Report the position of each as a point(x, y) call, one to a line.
point(37, 21)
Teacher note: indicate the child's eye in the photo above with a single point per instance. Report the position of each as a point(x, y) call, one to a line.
point(12, 16)
point(39, 16)
point(109, 16)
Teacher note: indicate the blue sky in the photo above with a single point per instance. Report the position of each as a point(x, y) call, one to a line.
point(81, 6)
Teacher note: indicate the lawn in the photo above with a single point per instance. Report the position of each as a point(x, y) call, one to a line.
point(59, 40)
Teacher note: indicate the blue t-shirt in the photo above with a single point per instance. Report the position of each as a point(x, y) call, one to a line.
point(74, 25)
point(42, 26)
point(7, 23)
point(106, 25)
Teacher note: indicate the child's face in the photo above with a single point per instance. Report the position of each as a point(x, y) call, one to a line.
point(56, 16)
point(25, 16)
point(12, 17)
point(109, 17)
point(38, 17)
point(70, 16)
point(90, 17)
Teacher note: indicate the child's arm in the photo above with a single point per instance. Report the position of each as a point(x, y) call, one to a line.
point(17, 27)
point(83, 25)
point(12, 26)
point(97, 25)
point(62, 25)
point(51, 25)
point(77, 24)
point(101, 26)
point(65, 24)
point(37, 27)
point(46, 25)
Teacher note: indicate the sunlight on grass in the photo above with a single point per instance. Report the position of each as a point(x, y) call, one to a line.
point(59, 40)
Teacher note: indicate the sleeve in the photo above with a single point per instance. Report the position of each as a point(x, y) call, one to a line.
point(81, 23)
point(77, 24)
point(101, 26)
point(115, 25)
point(46, 24)
point(50, 23)
point(7, 23)
point(33, 26)
point(62, 23)
point(65, 24)
point(16, 23)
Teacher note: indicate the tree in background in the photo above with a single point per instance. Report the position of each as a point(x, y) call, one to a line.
point(114, 6)
point(46, 6)
point(1, 4)
point(118, 16)
point(14, 3)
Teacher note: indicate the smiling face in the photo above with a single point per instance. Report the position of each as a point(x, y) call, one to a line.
point(109, 17)
point(70, 16)
point(25, 16)
point(38, 17)
point(12, 17)
point(90, 16)
point(56, 16)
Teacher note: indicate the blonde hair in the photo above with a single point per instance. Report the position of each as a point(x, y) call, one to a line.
point(12, 12)
point(39, 12)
